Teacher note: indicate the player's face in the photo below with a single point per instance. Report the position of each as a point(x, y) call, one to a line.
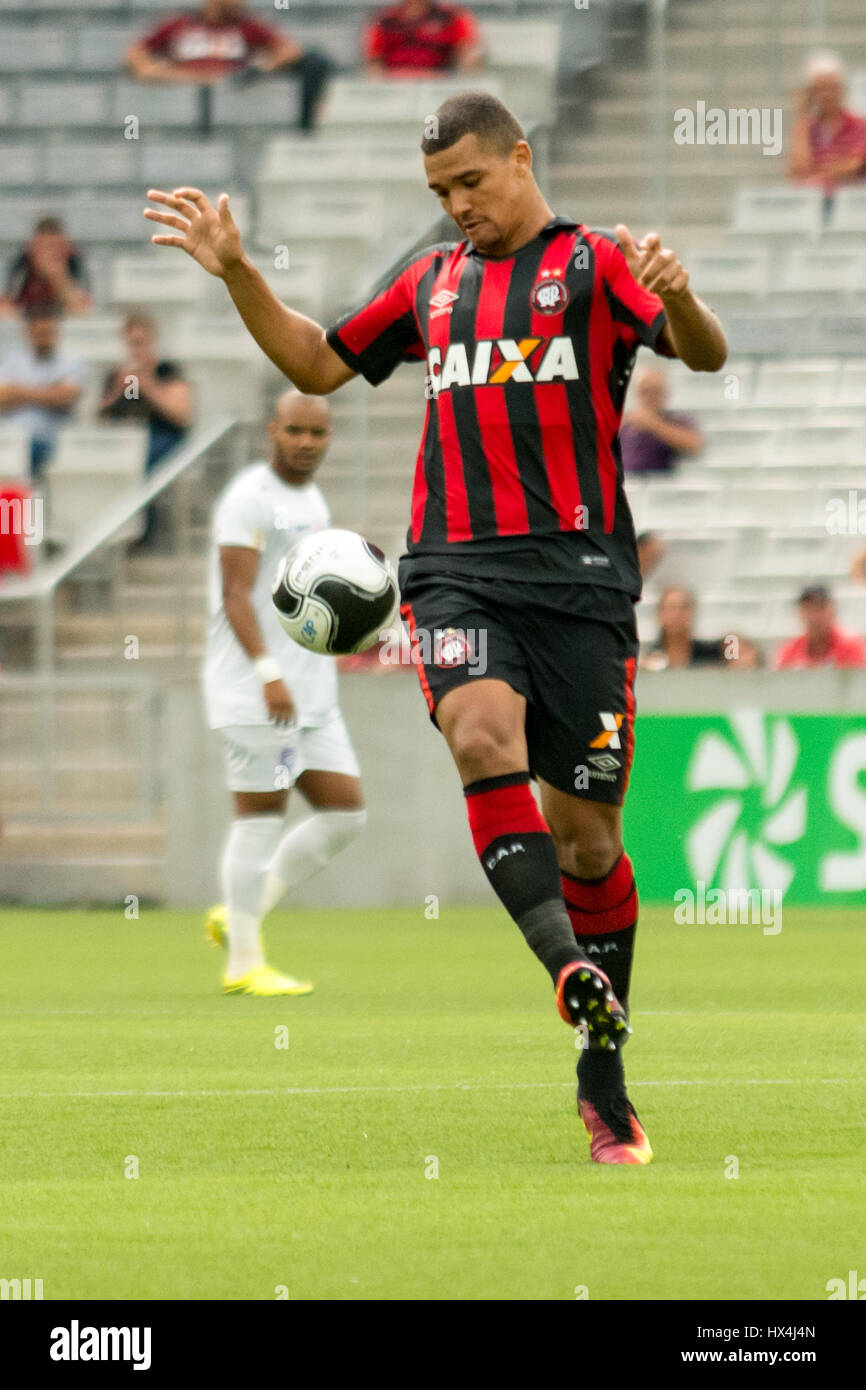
point(300, 433)
point(485, 192)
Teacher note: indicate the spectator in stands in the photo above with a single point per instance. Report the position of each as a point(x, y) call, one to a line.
point(651, 550)
point(148, 390)
point(652, 437)
point(675, 645)
point(422, 37)
point(48, 270)
point(222, 40)
point(39, 387)
point(828, 142)
point(822, 642)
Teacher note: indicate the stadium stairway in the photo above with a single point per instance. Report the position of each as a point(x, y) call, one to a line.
point(612, 163)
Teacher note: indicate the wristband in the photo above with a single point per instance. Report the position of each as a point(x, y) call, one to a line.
point(267, 669)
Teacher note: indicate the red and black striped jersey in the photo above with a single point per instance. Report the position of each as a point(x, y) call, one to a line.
point(528, 359)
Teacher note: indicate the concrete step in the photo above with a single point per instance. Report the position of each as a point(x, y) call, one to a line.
point(84, 879)
point(84, 723)
point(161, 598)
point(42, 841)
point(89, 785)
point(112, 630)
point(159, 660)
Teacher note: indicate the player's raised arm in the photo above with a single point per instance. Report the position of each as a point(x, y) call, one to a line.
point(296, 344)
point(692, 330)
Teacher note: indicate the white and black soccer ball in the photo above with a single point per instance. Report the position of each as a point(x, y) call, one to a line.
point(334, 592)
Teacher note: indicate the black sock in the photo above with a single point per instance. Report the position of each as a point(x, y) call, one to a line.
point(518, 856)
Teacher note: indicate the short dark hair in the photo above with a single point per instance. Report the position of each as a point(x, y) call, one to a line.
point(49, 224)
point(472, 113)
point(815, 593)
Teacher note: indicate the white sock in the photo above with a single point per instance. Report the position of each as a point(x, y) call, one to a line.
point(247, 853)
point(306, 848)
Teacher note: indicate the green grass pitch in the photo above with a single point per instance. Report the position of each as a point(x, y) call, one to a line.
point(429, 1046)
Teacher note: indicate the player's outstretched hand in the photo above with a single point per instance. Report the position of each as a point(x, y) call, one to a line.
point(652, 265)
point(206, 233)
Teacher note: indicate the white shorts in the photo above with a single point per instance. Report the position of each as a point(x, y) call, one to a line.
point(267, 757)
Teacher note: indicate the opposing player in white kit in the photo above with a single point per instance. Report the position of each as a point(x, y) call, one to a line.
point(274, 703)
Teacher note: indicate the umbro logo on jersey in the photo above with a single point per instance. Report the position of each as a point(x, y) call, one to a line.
point(495, 361)
point(441, 302)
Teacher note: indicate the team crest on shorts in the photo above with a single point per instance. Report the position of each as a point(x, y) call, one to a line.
point(549, 296)
point(451, 648)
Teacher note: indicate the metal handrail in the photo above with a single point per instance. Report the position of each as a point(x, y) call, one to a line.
point(46, 579)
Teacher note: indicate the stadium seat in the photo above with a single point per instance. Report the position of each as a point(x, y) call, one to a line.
point(384, 108)
point(92, 468)
point(157, 279)
point(106, 162)
point(107, 217)
point(795, 382)
point(169, 163)
point(42, 47)
point(340, 38)
point(856, 100)
point(852, 384)
point(94, 340)
point(779, 211)
point(100, 47)
point(741, 441)
point(272, 101)
point(157, 104)
point(723, 390)
point(20, 165)
point(60, 103)
point(807, 270)
point(14, 453)
point(849, 211)
point(524, 52)
point(730, 270)
point(826, 443)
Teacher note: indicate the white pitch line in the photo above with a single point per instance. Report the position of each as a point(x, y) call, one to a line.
point(457, 1086)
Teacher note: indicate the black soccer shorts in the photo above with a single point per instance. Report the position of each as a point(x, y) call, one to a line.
point(575, 670)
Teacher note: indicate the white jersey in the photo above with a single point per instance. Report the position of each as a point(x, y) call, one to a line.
point(259, 510)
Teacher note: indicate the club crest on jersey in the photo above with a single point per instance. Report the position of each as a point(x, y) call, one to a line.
point(441, 303)
point(549, 296)
point(451, 648)
point(493, 362)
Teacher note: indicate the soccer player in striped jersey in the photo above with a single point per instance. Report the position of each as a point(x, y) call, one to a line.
point(521, 540)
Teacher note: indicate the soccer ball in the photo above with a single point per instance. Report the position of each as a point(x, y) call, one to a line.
point(334, 592)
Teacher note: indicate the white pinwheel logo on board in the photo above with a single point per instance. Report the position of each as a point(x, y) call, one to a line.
point(734, 844)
